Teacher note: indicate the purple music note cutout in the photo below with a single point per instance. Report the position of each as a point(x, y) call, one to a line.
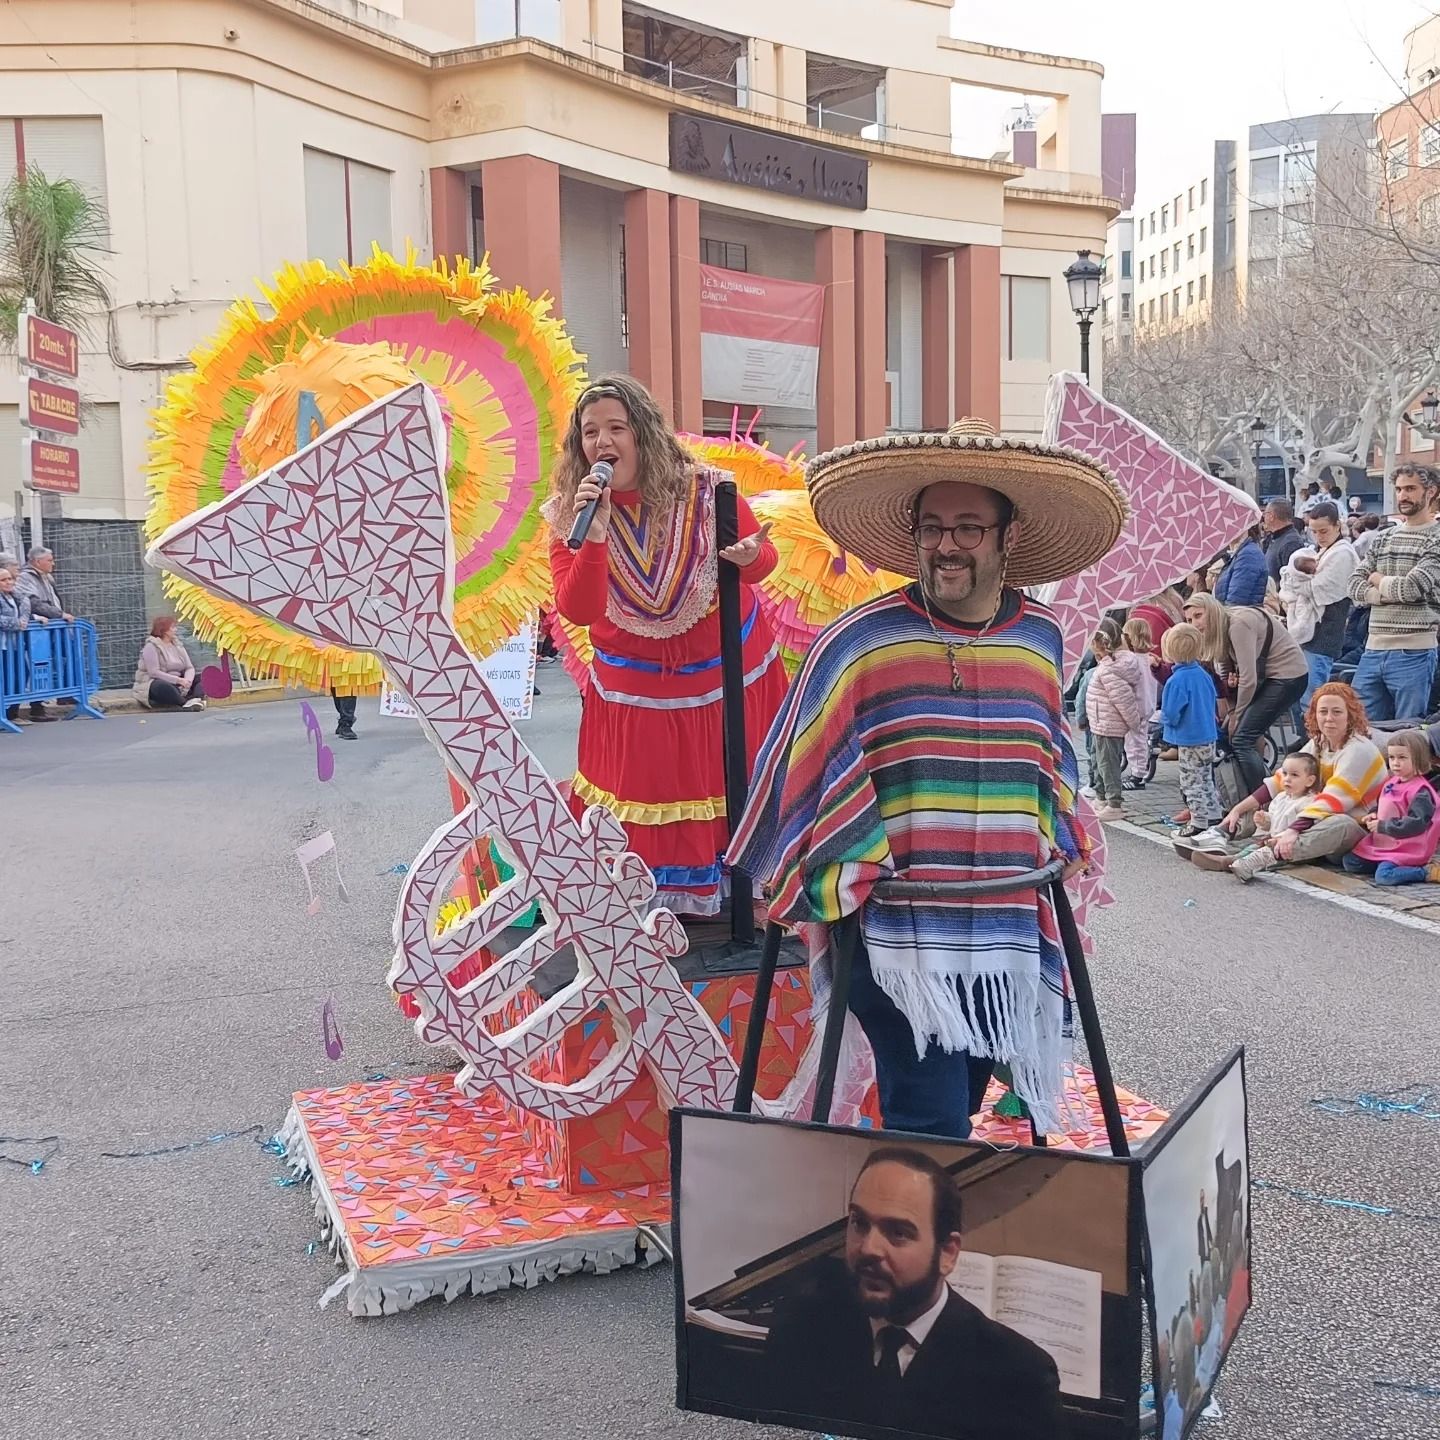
point(324, 755)
point(330, 1030)
point(216, 678)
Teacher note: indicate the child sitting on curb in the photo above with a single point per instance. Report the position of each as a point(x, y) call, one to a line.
point(1113, 708)
point(1404, 827)
point(1187, 710)
point(1299, 782)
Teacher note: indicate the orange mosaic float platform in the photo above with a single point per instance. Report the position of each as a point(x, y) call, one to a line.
point(422, 1191)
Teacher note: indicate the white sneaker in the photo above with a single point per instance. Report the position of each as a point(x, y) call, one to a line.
point(1110, 812)
point(1088, 791)
point(195, 704)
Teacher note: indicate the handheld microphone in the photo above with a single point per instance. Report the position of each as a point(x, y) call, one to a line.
point(602, 472)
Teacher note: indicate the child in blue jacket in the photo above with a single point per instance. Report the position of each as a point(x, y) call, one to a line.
point(1187, 708)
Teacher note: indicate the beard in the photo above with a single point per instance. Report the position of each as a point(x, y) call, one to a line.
point(951, 578)
point(896, 1302)
point(1408, 507)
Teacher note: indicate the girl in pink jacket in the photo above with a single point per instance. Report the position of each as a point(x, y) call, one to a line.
point(1404, 828)
point(1113, 706)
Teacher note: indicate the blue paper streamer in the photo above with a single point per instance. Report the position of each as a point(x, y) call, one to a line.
point(250, 1131)
point(398, 869)
point(1387, 1212)
point(1412, 1387)
point(35, 1163)
point(1385, 1104)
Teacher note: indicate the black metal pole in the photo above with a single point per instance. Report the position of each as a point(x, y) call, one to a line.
point(1090, 1021)
point(1085, 347)
point(732, 679)
point(842, 962)
point(759, 1011)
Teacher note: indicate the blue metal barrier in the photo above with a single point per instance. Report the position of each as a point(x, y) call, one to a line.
point(59, 660)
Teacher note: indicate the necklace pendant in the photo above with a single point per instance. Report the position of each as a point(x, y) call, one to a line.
point(956, 683)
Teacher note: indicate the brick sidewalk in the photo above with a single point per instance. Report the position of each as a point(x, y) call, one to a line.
point(1155, 807)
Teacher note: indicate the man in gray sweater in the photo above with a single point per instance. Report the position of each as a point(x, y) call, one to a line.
point(1400, 582)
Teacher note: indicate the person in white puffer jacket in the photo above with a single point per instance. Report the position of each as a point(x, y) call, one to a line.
point(1315, 590)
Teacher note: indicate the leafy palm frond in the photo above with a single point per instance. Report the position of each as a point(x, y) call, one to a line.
point(53, 237)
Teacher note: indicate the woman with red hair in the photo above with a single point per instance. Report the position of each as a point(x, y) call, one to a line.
point(1352, 770)
point(164, 677)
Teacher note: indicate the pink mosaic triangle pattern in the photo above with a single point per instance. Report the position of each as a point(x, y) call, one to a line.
point(1180, 515)
point(349, 542)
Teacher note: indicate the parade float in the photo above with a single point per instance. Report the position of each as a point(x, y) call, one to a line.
point(346, 490)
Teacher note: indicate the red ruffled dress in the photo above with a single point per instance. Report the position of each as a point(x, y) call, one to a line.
point(651, 744)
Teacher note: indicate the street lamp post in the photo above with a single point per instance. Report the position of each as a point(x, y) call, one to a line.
point(1425, 422)
point(1083, 277)
point(1257, 443)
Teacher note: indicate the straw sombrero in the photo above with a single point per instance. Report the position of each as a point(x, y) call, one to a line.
point(1071, 506)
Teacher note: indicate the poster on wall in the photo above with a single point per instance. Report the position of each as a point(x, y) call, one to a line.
point(863, 1284)
point(509, 672)
point(1197, 1220)
point(759, 338)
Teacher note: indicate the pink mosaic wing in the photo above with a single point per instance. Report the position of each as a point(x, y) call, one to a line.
point(1180, 515)
point(349, 542)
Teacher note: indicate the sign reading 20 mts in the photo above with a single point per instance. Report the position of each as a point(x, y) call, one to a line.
point(49, 407)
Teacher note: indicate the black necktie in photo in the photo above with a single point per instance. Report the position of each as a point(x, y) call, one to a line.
point(893, 1339)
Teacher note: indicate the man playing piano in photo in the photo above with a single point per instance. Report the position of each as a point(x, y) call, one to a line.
point(883, 1340)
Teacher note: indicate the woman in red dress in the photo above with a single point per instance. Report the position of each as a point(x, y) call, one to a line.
point(644, 582)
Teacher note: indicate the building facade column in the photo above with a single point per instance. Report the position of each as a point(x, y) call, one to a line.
point(936, 395)
point(647, 293)
point(835, 387)
point(689, 389)
point(871, 413)
point(977, 332)
point(449, 214)
point(522, 223)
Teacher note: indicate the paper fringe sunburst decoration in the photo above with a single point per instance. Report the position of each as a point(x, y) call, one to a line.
point(507, 376)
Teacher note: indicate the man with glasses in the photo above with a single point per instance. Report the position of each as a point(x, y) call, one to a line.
point(1399, 581)
point(924, 739)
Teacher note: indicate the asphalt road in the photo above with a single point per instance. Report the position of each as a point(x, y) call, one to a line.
point(162, 983)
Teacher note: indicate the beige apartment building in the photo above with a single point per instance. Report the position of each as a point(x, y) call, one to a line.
point(601, 150)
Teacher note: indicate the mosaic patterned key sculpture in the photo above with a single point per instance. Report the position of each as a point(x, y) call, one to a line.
point(349, 542)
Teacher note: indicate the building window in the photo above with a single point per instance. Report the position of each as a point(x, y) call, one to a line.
point(1397, 159)
point(509, 19)
point(1177, 255)
point(1202, 289)
point(1152, 312)
point(1190, 247)
point(1125, 264)
point(701, 61)
point(1025, 317)
point(1124, 307)
point(1264, 177)
point(1164, 264)
point(69, 148)
point(347, 207)
point(1191, 198)
point(1142, 227)
point(1152, 223)
point(1104, 312)
point(1204, 188)
point(1430, 144)
point(1175, 303)
point(1164, 308)
point(1189, 294)
point(1164, 218)
point(725, 254)
point(844, 95)
point(1204, 236)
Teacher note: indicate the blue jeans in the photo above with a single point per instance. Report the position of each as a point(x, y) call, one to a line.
point(933, 1094)
point(1320, 667)
point(1386, 872)
point(1395, 684)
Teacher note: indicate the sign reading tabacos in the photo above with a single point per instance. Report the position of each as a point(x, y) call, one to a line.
point(47, 346)
point(51, 407)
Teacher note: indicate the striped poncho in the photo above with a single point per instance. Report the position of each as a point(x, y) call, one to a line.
point(876, 767)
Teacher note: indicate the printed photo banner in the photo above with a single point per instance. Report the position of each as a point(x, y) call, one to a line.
point(1016, 1275)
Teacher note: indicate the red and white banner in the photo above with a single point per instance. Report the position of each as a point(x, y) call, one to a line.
point(759, 338)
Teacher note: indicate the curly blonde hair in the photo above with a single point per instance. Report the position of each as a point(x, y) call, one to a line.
point(666, 468)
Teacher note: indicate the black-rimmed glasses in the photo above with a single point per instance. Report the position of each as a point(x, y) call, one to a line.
point(966, 536)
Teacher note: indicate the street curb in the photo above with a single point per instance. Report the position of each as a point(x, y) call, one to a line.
point(124, 703)
point(1353, 903)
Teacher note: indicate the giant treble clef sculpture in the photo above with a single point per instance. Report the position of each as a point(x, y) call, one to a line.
point(349, 542)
